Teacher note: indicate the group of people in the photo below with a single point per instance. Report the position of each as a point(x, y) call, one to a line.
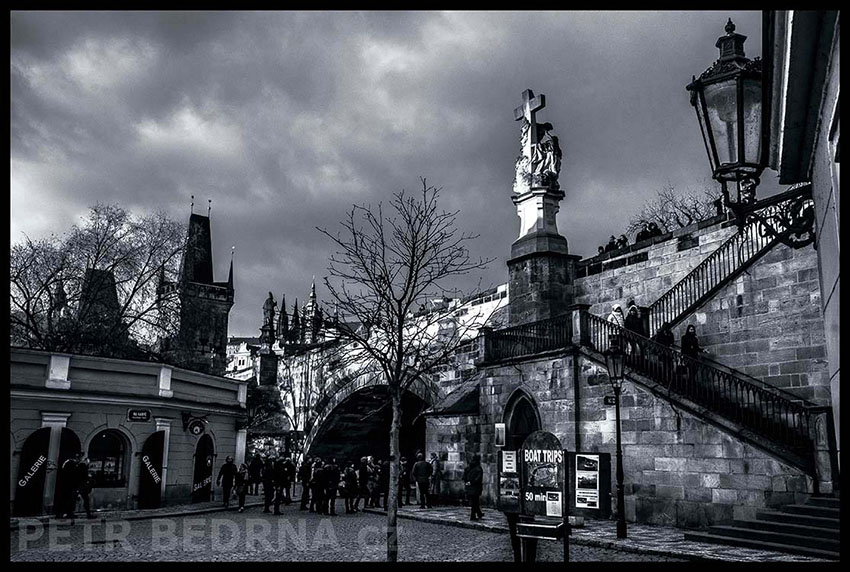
point(322, 481)
point(650, 230)
point(73, 483)
point(633, 322)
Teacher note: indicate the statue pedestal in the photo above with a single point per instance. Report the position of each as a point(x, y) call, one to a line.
point(541, 269)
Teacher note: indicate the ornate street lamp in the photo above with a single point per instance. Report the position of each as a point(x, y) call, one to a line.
point(614, 360)
point(732, 109)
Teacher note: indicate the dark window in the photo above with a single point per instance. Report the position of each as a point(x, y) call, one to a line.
point(108, 460)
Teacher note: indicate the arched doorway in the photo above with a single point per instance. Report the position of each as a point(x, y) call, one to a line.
point(150, 471)
point(29, 496)
point(202, 479)
point(521, 419)
point(360, 426)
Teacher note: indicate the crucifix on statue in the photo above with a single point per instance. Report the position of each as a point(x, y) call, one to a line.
point(530, 106)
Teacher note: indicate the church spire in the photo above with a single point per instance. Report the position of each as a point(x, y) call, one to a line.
point(283, 322)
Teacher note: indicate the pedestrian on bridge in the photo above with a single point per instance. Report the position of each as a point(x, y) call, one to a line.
point(318, 484)
point(349, 478)
point(332, 476)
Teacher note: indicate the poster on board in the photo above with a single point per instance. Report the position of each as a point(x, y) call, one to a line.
point(587, 481)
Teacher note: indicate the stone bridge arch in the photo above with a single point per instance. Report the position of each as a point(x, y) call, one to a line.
point(366, 391)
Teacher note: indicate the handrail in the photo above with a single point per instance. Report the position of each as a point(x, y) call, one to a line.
point(730, 259)
point(527, 339)
point(786, 422)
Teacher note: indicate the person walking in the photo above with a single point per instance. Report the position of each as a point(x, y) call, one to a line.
point(616, 318)
point(318, 484)
point(305, 472)
point(664, 337)
point(280, 478)
point(691, 349)
point(363, 482)
point(374, 481)
point(436, 476)
point(385, 480)
point(633, 323)
point(332, 476)
point(349, 478)
point(403, 482)
point(64, 501)
point(82, 484)
point(268, 483)
point(242, 481)
point(422, 475)
point(473, 477)
point(225, 479)
point(289, 468)
point(255, 470)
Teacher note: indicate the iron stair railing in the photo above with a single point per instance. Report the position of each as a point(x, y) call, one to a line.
point(725, 264)
point(779, 417)
point(528, 339)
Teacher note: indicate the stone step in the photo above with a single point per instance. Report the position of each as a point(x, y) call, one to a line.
point(777, 537)
point(760, 545)
point(790, 528)
point(777, 516)
point(811, 510)
point(831, 502)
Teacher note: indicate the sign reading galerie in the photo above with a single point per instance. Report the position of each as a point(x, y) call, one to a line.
point(139, 415)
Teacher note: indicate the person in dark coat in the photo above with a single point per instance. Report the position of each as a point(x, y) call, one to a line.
point(473, 479)
point(691, 349)
point(384, 481)
point(318, 484)
point(242, 481)
point(65, 499)
point(281, 480)
point(421, 473)
point(612, 244)
point(436, 476)
point(225, 479)
point(664, 337)
point(289, 467)
point(268, 483)
point(255, 470)
point(403, 482)
point(332, 476)
point(82, 484)
point(305, 471)
point(363, 482)
point(374, 482)
point(633, 323)
point(349, 478)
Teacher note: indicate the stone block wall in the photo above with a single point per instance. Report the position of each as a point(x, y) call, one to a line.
point(767, 323)
point(679, 470)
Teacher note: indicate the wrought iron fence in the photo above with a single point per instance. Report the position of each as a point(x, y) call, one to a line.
point(732, 257)
point(527, 339)
point(762, 409)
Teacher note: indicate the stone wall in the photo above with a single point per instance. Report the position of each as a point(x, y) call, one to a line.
point(766, 323)
point(679, 470)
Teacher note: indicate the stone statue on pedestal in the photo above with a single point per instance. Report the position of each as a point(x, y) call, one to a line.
point(539, 164)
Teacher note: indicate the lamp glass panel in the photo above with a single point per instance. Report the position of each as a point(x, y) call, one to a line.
point(752, 120)
point(722, 105)
point(704, 132)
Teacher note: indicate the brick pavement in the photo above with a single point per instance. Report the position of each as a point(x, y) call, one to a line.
point(642, 538)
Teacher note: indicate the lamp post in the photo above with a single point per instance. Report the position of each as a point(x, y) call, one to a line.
point(614, 359)
point(733, 112)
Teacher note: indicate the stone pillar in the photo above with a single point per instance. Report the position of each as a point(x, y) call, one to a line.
point(241, 441)
point(164, 424)
point(826, 454)
point(56, 422)
point(268, 368)
point(541, 269)
point(581, 334)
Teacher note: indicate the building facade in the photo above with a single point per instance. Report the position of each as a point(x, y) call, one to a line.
point(154, 434)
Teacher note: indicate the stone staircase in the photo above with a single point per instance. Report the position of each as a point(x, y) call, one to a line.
point(809, 529)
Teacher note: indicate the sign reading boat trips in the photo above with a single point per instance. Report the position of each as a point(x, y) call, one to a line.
point(542, 475)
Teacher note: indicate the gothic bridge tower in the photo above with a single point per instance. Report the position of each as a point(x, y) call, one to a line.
point(200, 343)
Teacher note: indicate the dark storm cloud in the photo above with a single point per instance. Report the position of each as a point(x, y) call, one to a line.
point(285, 119)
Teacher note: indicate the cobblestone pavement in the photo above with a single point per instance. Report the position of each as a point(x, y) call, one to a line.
point(644, 539)
point(294, 536)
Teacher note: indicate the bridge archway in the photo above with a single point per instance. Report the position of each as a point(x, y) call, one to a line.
point(356, 422)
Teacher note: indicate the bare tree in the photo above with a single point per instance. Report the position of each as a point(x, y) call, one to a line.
point(385, 269)
point(671, 210)
point(96, 289)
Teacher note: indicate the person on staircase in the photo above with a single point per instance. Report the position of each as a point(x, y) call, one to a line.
point(664, 337)
point(691, 349)
point(616, 318)
point(634, 324)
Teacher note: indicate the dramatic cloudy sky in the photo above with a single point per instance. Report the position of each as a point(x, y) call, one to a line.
point(286, 119)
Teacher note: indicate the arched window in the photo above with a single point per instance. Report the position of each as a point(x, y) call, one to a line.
point(108, 459)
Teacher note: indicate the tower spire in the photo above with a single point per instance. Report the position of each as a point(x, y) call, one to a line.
point(192, 206)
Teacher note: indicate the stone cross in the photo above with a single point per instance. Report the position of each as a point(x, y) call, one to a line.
point(530, 105)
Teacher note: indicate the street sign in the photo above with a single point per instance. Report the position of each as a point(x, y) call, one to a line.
point(139, 415)
point(610, 400)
